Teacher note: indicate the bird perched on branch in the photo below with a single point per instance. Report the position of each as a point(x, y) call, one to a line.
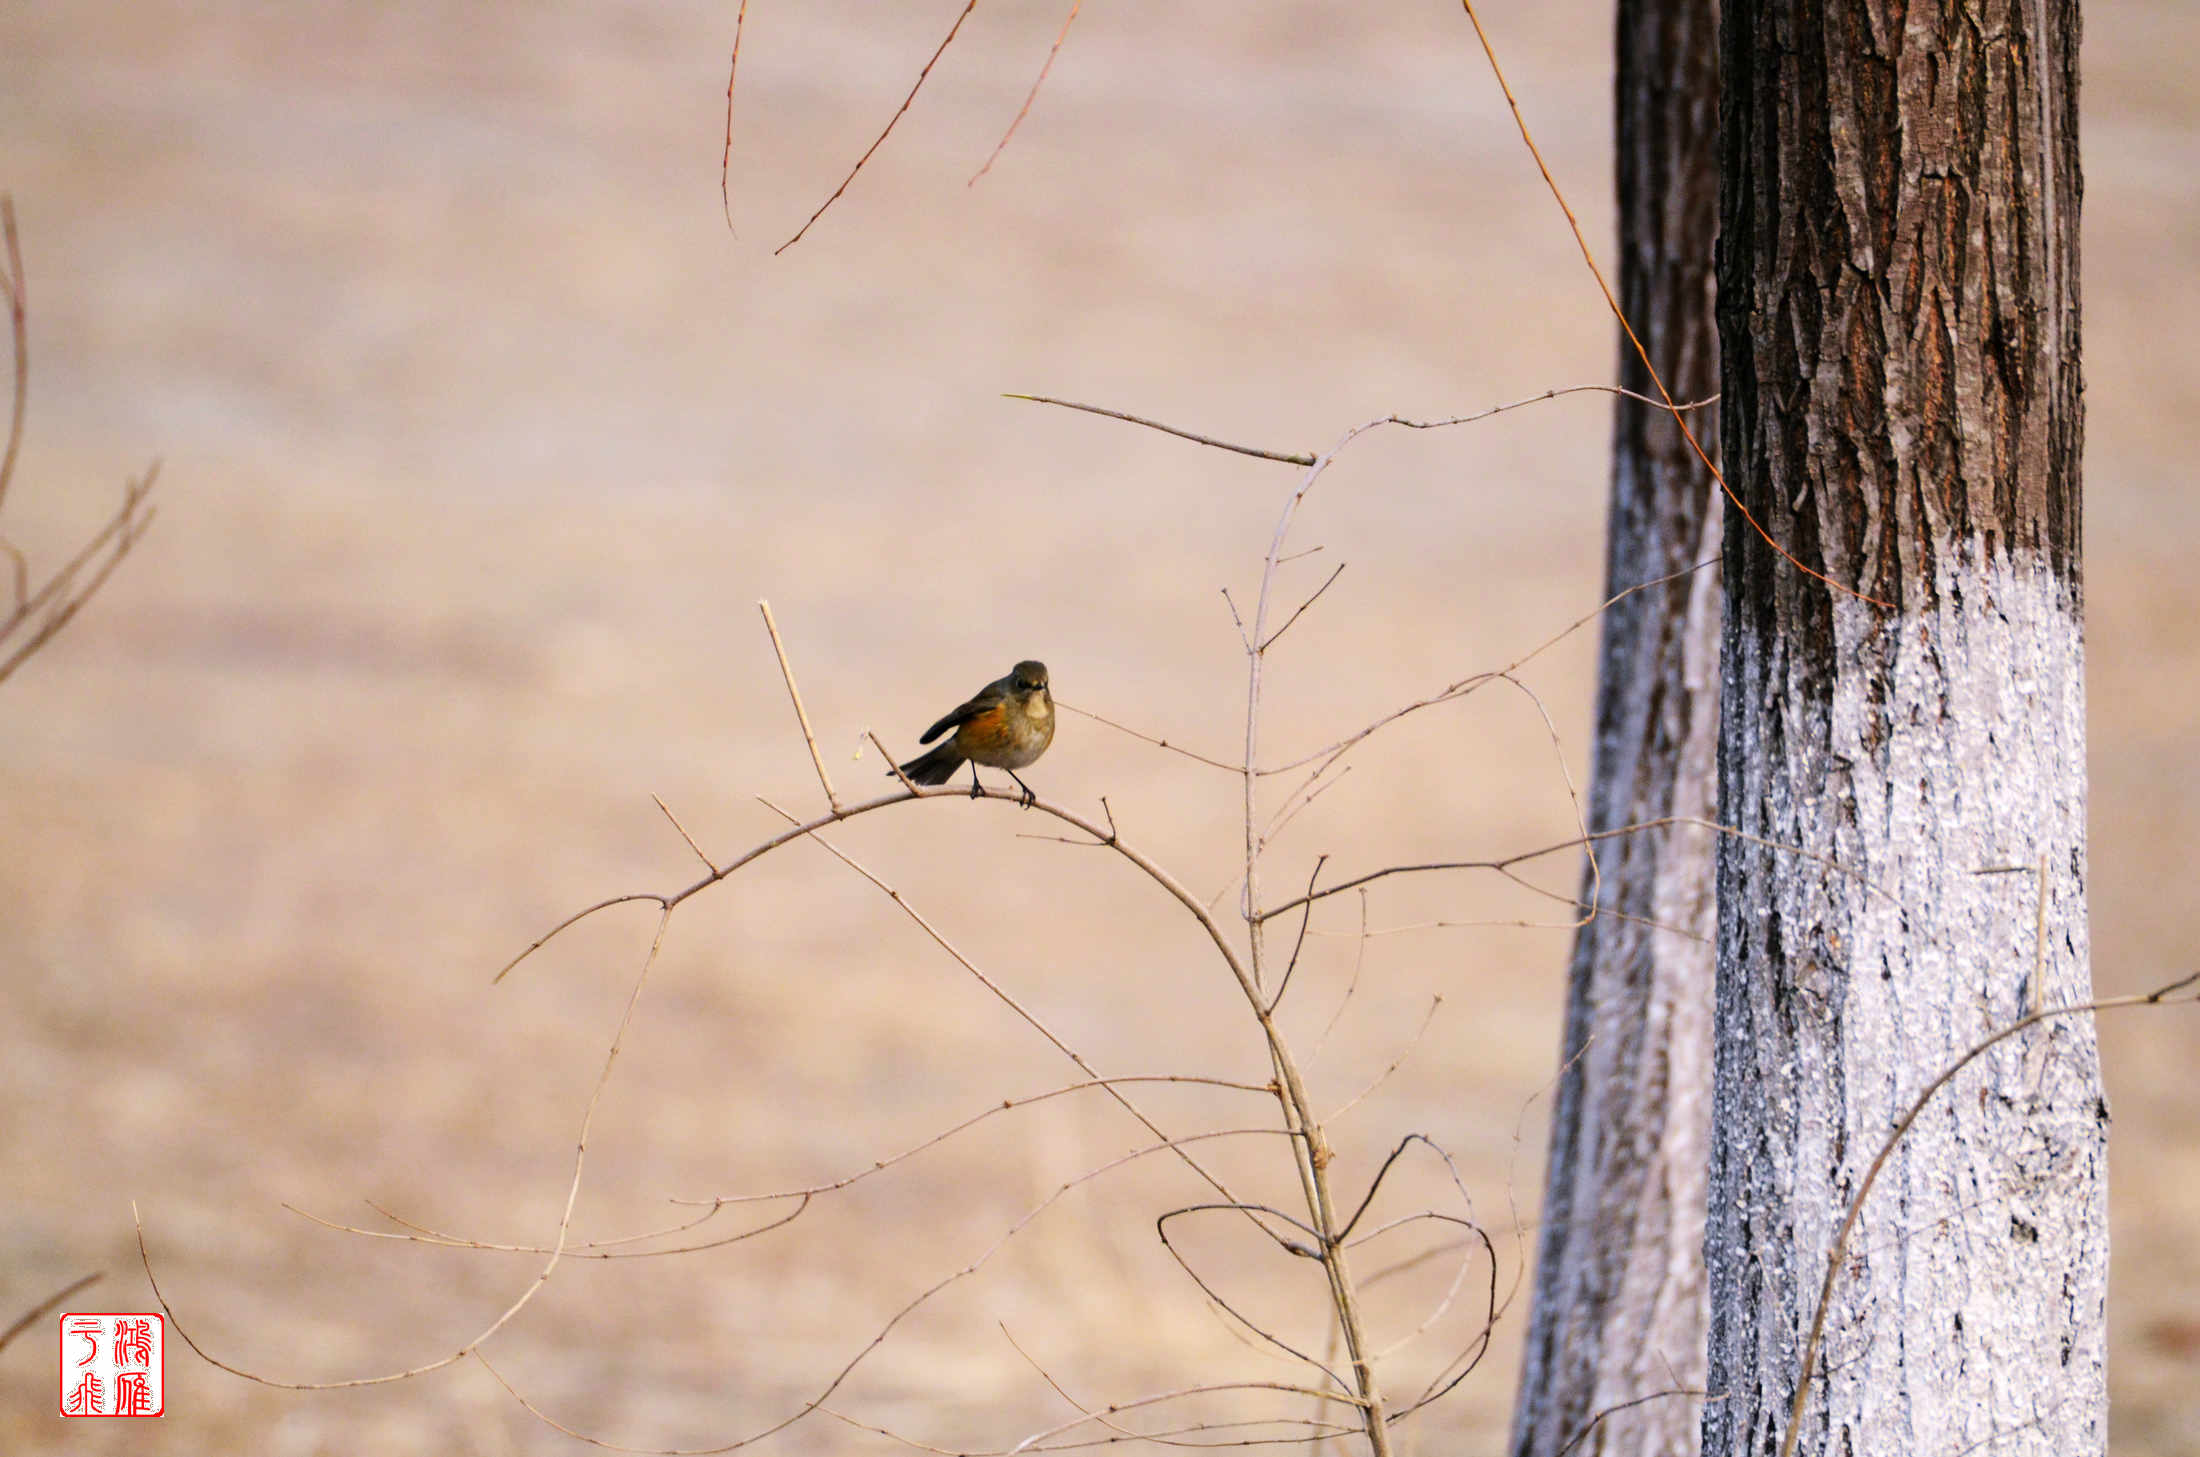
point(1007, 724)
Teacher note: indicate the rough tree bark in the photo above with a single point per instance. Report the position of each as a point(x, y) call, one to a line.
point(1619, 1293)
point(1898, 314)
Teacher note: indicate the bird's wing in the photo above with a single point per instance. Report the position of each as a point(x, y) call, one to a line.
point(989, 696)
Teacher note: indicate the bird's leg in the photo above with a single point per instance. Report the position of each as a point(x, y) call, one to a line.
point(1030, 799)
point(977, 790)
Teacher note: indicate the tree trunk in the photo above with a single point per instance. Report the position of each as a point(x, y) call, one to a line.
point(1898, 315)
point(1619, 1296)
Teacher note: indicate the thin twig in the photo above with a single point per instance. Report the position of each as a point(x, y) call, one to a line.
point(2164, 995)
point(675, 819)
point(1309, 602)
point(1082, 1410)
point(1025, 110)
point(613, 1249)
point(1375, 1184)
point(16, 284)
point(1428, 1018)
point(1665, 398)
point(1575, 842)
point(923, 1297)
point(1468, 685)
point(725, 158)
point(1450, 1297)
point(1036, 1443)
point(906, 101)
point(542, 1276)
point(1147, 738)
point(1287, 457)
point(1588, 913)
point(411, 1232)
point(1359, 957)
point(31, 1317)
point(786, 671)
point(1237, 622)
point(1002, 994)
point(1299, 945)
point(576, 918)
point(1029, 1444)
point(1619, 1406)
point(891, 767)
point(1296, 802)
point(62, 597)
point(1161, 1228)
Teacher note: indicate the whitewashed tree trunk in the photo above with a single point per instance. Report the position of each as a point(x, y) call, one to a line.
point(1898, 309)
point(1618, 1309)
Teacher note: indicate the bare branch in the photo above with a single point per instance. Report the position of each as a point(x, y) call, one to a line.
point(675, 819)
point(1239, 623)
point(882, 136)
point(1465, 686)
point(891, 767)
point(1309, 602)
point(52, 1302)
point(1297, 801)
point(1413, 1044)
point(786, 671)
point(1147, 738)
point(575, 919)
point(1589, 913)
point(725, 158)
point(1002, 994)
point(817, 1402)
point(1298, 457)
point(1298, 946)
point(1084, 1412)
point(63, 596)
point(14, 283)
point(1375, 1184)
point(542, 1276)
point(1161, 1228)
point(1619, 1406)
point(1352, 985)
point(597, 1249)
point(1302, 457)
point(1450, 1296)
point(2178, 991)
point(1575, 842)
point(1665, 397)
point(1025, 110)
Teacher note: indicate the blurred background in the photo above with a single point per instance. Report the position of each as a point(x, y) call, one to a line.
point(482, 436)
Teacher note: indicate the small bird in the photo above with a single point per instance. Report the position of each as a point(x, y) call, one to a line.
point(1007, 724)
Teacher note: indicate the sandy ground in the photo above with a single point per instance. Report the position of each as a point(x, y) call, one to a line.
point(481, 439)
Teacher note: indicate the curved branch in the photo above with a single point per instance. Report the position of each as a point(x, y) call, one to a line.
point(2163, 995)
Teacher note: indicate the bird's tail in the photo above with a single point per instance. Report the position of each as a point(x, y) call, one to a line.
point(937, 767)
